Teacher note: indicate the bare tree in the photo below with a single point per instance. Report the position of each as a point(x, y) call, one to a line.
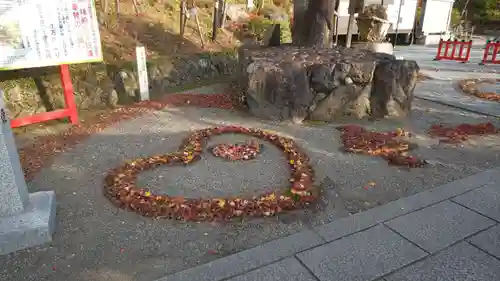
point(464, 10)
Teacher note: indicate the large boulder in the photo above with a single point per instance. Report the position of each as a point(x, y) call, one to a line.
point(294, 83)
point(394, 82)
point(279, 91)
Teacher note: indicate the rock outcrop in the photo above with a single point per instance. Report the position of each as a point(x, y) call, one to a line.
point(293, 83)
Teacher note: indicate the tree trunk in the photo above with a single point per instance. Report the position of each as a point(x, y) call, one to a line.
point(299, 12)
point(309, 26)
point(330, 39)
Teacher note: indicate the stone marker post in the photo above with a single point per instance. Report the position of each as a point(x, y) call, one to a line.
point(142, 72)
point(25, 219)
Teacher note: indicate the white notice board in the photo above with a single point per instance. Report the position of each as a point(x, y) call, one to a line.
point(36, 33)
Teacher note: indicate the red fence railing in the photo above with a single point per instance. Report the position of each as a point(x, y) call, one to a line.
point(491, 53)
point(454, 50)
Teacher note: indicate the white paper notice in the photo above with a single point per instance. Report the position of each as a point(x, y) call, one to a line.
point(142, 72)
point(36, 33)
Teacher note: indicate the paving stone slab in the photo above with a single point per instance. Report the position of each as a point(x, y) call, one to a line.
point(484, 200)
point(364, 256)
point(460, 262)
point(250, 259)
point(286, 270)
point(457, 75)
point(364, 220)
point(424, 56)
point(446, 92)
point(488, 241)
point(438, 226)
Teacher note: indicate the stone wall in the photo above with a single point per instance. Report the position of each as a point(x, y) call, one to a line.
point(104, 85)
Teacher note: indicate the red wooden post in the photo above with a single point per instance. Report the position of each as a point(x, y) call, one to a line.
point(461, 50)
point(446, 49)
point(486, 51)
point(440, 46)
point(496, 48)
point(69, 94)
point(452, 57)
point(69, 111)
point(469, 48)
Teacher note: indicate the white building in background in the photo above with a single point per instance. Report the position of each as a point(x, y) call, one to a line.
point(434, 20)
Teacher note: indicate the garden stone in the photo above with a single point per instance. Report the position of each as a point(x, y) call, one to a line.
point(284, 83)
point(321, 79)
point(330, 107)
point(393, 86)
point(359, 72)
point(279, 93)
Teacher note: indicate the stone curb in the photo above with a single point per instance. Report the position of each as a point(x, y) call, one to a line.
point(282, 248)
point(464, 108)
point(484, 70)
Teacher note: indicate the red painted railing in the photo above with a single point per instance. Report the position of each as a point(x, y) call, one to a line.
point(491, 53)
point(69, 111)
point(454, 50)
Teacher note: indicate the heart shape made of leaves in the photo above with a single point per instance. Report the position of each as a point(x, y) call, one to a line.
point(120, 183)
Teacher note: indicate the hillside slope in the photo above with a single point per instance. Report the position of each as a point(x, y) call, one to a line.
point(157, 28)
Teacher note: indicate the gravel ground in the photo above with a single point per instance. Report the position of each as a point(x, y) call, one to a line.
point(95, 241)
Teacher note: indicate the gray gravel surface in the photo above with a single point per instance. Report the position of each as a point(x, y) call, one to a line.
point(95, 241)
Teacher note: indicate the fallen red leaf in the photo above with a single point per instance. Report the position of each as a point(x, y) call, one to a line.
point(387, 145)
point(461, 132)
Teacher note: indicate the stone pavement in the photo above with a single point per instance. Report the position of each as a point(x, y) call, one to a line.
point(451, 232)
point(424, 56)
point(448, 93)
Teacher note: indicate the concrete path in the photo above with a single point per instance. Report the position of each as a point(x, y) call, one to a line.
point(447, 93)
point(451, 232)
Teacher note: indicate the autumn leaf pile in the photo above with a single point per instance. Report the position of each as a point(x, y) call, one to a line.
point(461, 132)
point(470, 86)
point(120, 184)
point(389, 145)
point(233, 152)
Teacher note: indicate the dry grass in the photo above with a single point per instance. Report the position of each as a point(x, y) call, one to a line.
point(157, 28)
